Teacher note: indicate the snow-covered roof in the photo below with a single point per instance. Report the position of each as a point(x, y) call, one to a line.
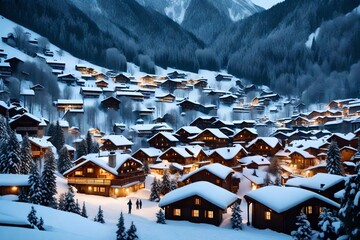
point(41, 142)
point(151, 152)
point(149, 127)
point(117, 140)
point(285, 198)
point(349, 136)
point(271, 141)
point(257, 159)
point(217, 169)
point(320, 181)
point(179, 150)
point(208, 191)
point(14, 180)
point(228, 153)
point(191, 129)
point(64, 124)
point(70, 101)
point(167, 135)
point(257, 178)
point(303, 153)
point(27, 92)
point(91, 89)
point(162, 165)
point(214, 131)
point(194, 149)
point(305, 144)
point(69, 148)
point(349, 148)
point(16, 117)
point(130, 94)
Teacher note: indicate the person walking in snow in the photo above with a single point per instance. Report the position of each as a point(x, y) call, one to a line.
point(137, 203)
point(129, 205)
point(140, 204)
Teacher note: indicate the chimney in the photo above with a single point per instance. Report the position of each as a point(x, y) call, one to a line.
point(112, 159)
point(322, 185)
point(228, 149)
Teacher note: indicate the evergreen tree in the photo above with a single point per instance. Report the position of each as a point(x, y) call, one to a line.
point(61, 204)
point(173, 184)
point(64, 162)
point(51, 130)
point(25, 155)
point(95, 147)
point(58, 139)
point(154, 192)
point(40, 224)
point(274, 167)
point(349, 212)
point(326, 228)
point(83, 211)
point(146, 167)
point(267, 180)
point(81, 149)
point(89, 142)
point(69, 203)
point(333, 163)
point(77, 207)
point(10, 159)
point(160, 217)
point(236, 219)
point(304, 231)
point(35, 193)
point(277, 180)
point(23, 197)
point(165, 183)
point(32, 218)
point(48, 181)
point(121, 232)
point(131, 232)
point(100, 216)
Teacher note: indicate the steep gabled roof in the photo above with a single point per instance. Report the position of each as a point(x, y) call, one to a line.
point(228, 153)
point(320, 181)
point(271, 141)
point(217, 169)
point(179, 150)
point(214, 131)
point(118, 140)
point(166, 135)
point(151, 152)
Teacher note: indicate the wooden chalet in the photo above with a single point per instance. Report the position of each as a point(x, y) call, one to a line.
point(163, 140)
point(347, 153)
point(228, 99)
point(149, 130)
point(301, 159)
point(300, 122)
point(56, 65)
point(210, 137)
point(71, 151)
point(228, 156)
point(149, 155)
point(115, 142)
point(339, 103)
point(343, 140)
point(114, 176)
point(187, 131)
point(69, 79)
point(136, 96)
point(188, 105)
point(223, 77)
point(165, 98)
point(200, 158)
point(39, 147)
point(194, 203)
point(172, 84)
point(178, 155)
point(13, 183)
point(90, 92)
point(110, 103)
point(322, 183)
point(101, 83)
point(265, 146)
point(280, 211)
point(245, 135)
point(222, 124)
point(216, 174)
point(204, 122)
point(201, 83)
point(26, 123)
point(244, 124)
point(122, 78)
point(5, 69)
point(66, 104)
point(100, 76)
point(176, 74)
point(254, 162)
point(14, 63)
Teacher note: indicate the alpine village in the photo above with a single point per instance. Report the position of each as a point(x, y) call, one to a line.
point(103, 137)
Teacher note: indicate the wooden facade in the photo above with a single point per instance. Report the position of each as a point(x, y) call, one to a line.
point(27, 124)
point(171, 155)
point(204, 122)
point(108, 145)
point(260, 147)
point(300, 161)
point(110, 103)
point(347, 153)
point(245, 136)
point(210, 140)
point(161, 141)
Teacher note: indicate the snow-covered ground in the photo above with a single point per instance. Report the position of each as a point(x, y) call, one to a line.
point(64, 225)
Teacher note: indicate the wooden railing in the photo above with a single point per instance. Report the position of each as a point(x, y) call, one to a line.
point(122, 182)
point(101, 181)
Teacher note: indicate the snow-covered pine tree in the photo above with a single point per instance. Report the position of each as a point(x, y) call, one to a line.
point(349, 213)
point(236, 219)
point(304, 231)
point(154, 192)
point(64, 162)
point(146, 167)
point(23, 197)
point(48, 181)
point(95, 147)
point(333, 163)
point(131, 232)
point(35, 193)
point(25, 155)
point(81, 149)
point(160, 217)
point(83, 211)
point(61, 204)
point(32, 218)
point(267, 180)
point(277, 180)
point(4, 129)
point(121, 231)
point(99, 216)
point(173, 184)
point(40, 224)
point(274, 167)
point(58, 139)
point(89, 142)
point(51, 130)
point(77, 207)
point(10, 162)
point(326, 229)
point(165, 183)
point(69, 203)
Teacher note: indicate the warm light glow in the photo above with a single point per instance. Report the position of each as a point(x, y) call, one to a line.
point(210, 214)
point(14, 189)
point(268, 215)
point(253, 186)
point(177, 212)
point(89, 188)
point(116, 190)
point(195, 213)
point(127, 190)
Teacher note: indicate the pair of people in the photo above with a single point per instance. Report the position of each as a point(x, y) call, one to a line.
point(138, 204)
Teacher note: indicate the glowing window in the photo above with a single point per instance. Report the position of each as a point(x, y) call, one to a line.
point(195, 213)
point(78, 173)
point(309, 210)
point(267, 215)
point(96, 189)
point(102, 189)
point(177, 212)
point(210, 214)
point(90, 170)
point(197, 201)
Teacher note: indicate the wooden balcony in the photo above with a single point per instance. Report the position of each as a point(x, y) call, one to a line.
point(128, 180)
point(102, 181)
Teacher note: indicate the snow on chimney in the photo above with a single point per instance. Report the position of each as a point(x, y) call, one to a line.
point(112, 159)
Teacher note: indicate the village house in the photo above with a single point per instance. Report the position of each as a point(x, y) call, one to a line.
point(165, 98)
point(300, 159)
point(149, 130)
point(215, 173)
point(187, 131)
point(39, 146)
point(172, 84)
point(239, 124)
point(5, 69)
point(163, 140)
point(27, 123)
point(280, 211)
point(255, 177)
point(227, 156)
point(210, 137)
point(101, 83)
point(322, 183)
point(100, 76)
point(194, 203)
point(228, 99)
point(176, 74)
point(265, 146)
point(13, 184)
point(66, 104)
point(204, 122)
point(115, 142)
point(244, 136)
point(160, 167)
point(90, 92)
point(56, 65)
point(122, 78)
point(254, 162)
point(339, 103)
point(136, 96)
point(187, 105)
point(110, 103)
point(14, 63)
point(69, 79)
point(222, 124)
point(223, 77)
point(149, 155)
point(81, 68)
point(178, 155)
point(343, 140)
point(114, 175)
point(347, 153)
point(200, 84)
point(200, 158)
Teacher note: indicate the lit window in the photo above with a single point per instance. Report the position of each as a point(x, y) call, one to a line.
point(102, 189)
point(78, 173)
point(267, 215)
point(177, 212)
point(195, 213)
point(320, 209)
point(309, 210)
point(217, 181)
point(90, 170)
point(210, 214)
point(197, 201)
point(96, 189)
point(102, 171)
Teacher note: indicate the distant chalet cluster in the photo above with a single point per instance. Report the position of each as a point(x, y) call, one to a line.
point(207, 158)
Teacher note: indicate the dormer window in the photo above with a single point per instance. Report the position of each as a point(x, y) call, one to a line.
point(197, 201)
point(90, 170)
